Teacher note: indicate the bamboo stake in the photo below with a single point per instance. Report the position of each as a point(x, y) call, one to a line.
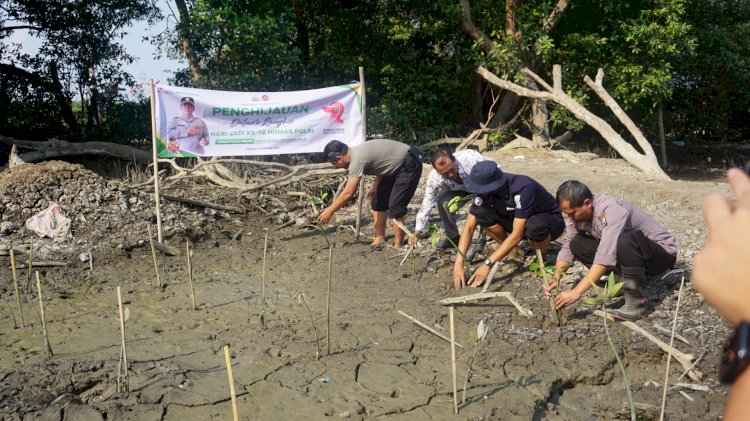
point(190, 272)
point(427, 328)
point(328, 301)
point(361, 189)
point(406, 256)
point(491, 275)
point(15, 285)
point(153, 254)
point(553, 311)
point(29, 265)
point(235, 415)
point(48, 348)
point(262, 316)
point(669, 354)
point(91, 262)
point(155, 160)
point(453, 360)
point(122, 338)
point(483, 296)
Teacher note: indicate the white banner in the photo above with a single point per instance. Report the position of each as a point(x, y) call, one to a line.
point(200, 122)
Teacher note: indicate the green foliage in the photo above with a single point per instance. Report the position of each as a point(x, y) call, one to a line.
point(536, 269)
point(457, 202)
point(611, 290)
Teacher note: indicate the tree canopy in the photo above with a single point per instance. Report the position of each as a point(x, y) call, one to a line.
point(689, 58)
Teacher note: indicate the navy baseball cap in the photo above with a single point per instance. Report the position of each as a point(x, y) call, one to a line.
point(485, 177)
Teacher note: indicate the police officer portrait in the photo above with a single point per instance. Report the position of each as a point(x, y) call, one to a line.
point(187, 132)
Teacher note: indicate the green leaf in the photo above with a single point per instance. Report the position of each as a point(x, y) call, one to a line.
point(473, 336)
point(615, 290)
point(324, 196)
point(611, 281)
point(593, 301)
point(127, 314)
point(534, 267)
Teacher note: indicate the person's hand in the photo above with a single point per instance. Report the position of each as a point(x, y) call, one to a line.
point(204, 141)
point(721, 271)
point(459, 276)
point(566, 298)
point(325, 216)
point(552, 283)
point(414, 239)
point(479, 275)
point(371, 193)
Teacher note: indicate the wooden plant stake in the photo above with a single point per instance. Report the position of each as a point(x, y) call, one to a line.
point(231, 383)
point(153, 254)
point(15, 285)
point(453, 360)
point(29, 265)
point(190, 272)
point(552, 310)
point(669, 354)
point(427, 328)
point(328, 300)
point(122, 338)
point(47, 347)
point(262, 315)
point(91, 262)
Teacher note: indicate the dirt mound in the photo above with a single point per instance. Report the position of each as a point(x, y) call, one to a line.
point(104, 213)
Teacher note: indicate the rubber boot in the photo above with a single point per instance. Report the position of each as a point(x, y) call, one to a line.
point(636, 304)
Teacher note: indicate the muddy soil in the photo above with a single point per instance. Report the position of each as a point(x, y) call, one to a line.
point(380, 364)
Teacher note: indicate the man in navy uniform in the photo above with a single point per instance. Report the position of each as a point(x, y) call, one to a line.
point(510, 207)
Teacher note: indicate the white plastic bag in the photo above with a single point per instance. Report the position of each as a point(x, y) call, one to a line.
point(50, 223)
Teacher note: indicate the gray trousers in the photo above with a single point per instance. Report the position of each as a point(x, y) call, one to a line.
point(446, 218)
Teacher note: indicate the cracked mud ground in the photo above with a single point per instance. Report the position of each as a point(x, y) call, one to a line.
point(381, 365)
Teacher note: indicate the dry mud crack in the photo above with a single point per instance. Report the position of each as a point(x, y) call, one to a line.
point(381, 365)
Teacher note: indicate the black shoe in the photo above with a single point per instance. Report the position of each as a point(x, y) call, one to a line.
point(445, 244)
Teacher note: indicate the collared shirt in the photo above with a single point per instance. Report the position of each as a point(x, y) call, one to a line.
point(436, 184)
point(611, 218)
point(523, 198)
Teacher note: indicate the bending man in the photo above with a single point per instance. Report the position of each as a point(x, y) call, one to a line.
point(397, 168)
point(445, 182)
point(509, 207)
point(610, 234)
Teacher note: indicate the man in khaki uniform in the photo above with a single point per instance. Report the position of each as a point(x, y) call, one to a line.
point(187, 131)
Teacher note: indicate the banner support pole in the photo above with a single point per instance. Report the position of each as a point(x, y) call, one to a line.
point(155, 161)
point(364, 139)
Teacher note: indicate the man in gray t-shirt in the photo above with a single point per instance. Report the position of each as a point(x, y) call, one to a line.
point(608, 234)
point(397, 168)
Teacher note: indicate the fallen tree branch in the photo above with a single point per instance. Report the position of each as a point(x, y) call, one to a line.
point(54, 148)
point(203, 204)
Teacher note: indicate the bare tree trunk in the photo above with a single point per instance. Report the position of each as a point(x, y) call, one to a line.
point(645, 162)
point(539, 119)
point(187, 48)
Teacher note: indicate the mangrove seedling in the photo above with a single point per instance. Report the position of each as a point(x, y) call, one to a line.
point(544, 272)
point(315, 202)
point(457, 202)
point(477, 338)
point(435, 236)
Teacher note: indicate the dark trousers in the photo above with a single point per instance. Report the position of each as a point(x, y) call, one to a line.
point(633, 250)
point(395, 191)
point(447, 218)
point(538, 226)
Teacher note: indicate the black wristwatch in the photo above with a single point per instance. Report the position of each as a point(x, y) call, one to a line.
point(488, 262)
point(736, 355)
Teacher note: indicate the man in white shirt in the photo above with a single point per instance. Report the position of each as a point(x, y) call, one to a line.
point(445, 182)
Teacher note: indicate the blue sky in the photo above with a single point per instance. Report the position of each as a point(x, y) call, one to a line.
point(146, 66)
